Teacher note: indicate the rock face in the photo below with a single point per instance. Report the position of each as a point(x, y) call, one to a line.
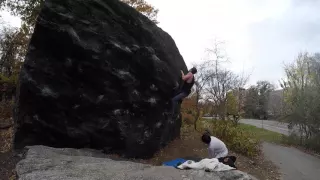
point(69, 164)
point(98, 74)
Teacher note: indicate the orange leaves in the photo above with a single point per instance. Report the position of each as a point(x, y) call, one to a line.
point(143, 7)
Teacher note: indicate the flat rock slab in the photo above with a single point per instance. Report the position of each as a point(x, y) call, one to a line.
point(48, 163)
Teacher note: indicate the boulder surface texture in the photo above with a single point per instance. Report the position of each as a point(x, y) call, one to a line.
point(43, 162)
point(98, 74)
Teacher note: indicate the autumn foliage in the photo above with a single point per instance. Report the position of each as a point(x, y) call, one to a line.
point(188, 108)
point(145, 8)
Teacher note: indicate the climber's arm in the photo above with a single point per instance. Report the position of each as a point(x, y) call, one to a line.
point(187, 76)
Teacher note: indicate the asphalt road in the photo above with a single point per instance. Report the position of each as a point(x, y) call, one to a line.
point(269, 125)
point(293, 163)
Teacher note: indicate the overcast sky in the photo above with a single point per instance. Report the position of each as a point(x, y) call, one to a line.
point(260, 35)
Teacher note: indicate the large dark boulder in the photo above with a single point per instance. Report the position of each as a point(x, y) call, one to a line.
point(98, 74)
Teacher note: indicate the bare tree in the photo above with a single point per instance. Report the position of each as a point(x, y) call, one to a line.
point(219, 84)
point(201, 81)
point(219, 81)
point(213, 81)
point(216, 55)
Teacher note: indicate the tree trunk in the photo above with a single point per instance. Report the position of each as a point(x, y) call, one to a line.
point(197, 117)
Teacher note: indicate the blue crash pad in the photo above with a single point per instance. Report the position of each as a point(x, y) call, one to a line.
point(174, 162)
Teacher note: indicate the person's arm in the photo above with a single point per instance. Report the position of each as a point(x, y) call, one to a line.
point(186, 77)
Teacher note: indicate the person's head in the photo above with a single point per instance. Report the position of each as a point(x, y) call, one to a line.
point(206, 138)
point(193, 70)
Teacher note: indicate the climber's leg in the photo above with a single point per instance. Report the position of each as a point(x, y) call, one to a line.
point(175, 100)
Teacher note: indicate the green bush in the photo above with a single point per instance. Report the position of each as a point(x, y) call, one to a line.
point(12, 80)
point(236, 139)
point(189, 112)
point(312, 143)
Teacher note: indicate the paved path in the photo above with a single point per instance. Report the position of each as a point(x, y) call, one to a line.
point(269, 125)
point(293, 163)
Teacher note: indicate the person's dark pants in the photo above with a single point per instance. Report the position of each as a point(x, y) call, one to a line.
point(178, 98)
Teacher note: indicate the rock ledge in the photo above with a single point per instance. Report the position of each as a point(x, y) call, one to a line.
point(48, 163)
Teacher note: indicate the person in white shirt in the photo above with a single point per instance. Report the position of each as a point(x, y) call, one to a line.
point(217, 148)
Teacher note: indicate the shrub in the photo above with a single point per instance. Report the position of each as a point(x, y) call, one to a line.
point(7, 89)
point(234, 137)
point(189, 112)
point(187, 118)
point(312, 143)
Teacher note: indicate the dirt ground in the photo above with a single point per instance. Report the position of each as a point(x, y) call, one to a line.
point(189, 145)
point(8, 159)
point(8, 163)
point(5, 139)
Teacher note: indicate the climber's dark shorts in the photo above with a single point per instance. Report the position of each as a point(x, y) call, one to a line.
point(178, 98)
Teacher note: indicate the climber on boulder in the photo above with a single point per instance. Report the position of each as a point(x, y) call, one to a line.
point(188, 81)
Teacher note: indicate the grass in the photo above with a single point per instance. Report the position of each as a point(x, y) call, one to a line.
point(263, 134)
